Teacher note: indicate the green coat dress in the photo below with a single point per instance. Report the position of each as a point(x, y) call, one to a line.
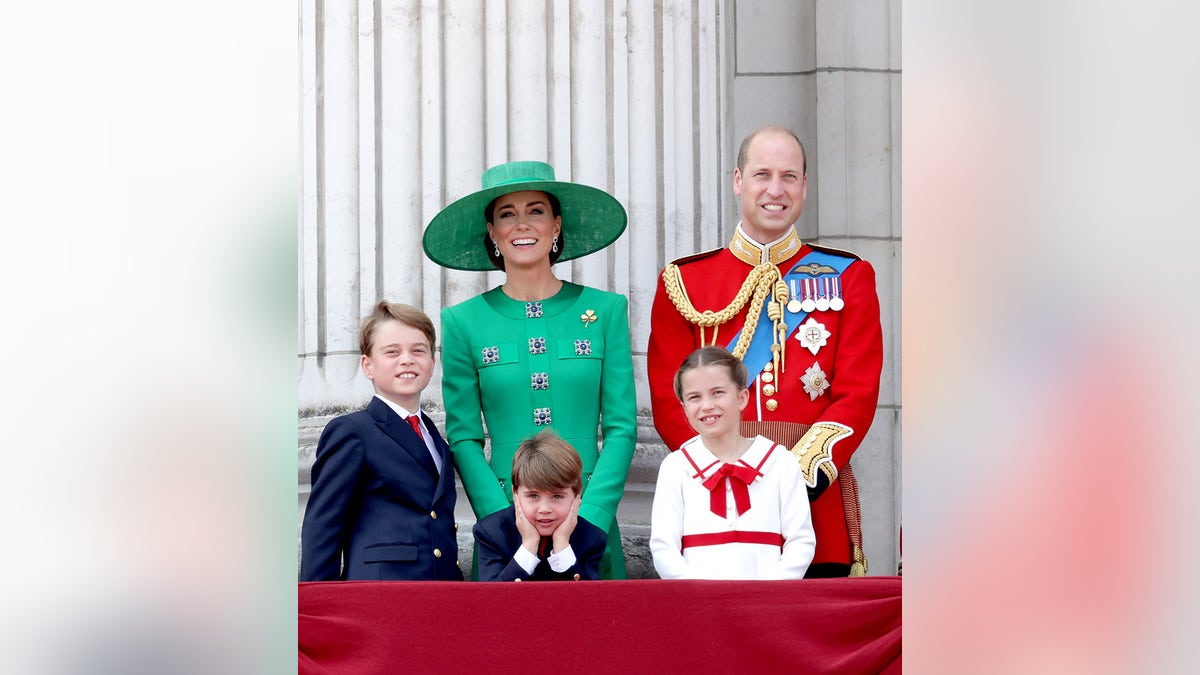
point(564, 364)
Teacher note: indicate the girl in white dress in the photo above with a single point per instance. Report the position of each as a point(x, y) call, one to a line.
point(727, 506)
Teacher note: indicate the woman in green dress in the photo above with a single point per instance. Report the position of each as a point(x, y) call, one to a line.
point(536, 352)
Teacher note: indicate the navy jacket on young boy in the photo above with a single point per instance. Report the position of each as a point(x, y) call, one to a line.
point(379, 502)
point(497, 539)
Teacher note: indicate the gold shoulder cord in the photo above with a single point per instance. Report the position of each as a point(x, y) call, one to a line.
point(763, 280)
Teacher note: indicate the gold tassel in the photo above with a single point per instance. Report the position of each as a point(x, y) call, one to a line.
point(859, 567)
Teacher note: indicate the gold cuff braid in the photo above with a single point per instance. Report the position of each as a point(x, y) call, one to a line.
point(814, 451)
point(762, 281)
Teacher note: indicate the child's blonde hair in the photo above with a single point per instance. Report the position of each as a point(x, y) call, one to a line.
point(393, 311)
point(547, 462)
point(711, 356)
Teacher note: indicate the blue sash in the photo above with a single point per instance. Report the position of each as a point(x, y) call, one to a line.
point(758, 354)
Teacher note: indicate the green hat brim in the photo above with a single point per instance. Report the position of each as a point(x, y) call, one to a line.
point(591, 220)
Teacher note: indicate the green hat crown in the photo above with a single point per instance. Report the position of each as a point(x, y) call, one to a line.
point(591, 218)
point(514, 173)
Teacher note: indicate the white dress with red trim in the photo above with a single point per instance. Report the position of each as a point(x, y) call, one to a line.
point(746, 520)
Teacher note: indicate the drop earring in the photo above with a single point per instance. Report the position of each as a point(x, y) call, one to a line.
point(555, 248)
point(496, 247)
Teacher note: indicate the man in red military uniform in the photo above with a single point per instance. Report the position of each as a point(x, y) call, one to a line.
point(803, 318)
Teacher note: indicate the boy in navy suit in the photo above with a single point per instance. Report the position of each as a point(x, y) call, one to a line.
point(541, 536)
point(382, 501)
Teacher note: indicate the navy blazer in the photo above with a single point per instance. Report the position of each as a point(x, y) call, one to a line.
point(497, 539)
point(379, 503)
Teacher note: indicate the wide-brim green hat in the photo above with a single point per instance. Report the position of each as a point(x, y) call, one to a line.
point(591, 218)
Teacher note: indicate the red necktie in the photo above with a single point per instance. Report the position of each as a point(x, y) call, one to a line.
point(738, 476)
point(415, 423)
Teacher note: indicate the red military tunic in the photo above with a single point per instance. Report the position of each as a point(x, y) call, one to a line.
point(835, 390)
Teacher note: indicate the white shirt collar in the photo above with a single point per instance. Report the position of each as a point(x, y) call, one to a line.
point(399, 409)
point(708, 462)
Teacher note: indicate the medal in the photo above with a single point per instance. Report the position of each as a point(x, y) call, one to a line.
point(813, 335)
point(814, 381)
point(808, 303)
point(793, 305)
point(823, 294)
point(836, 303)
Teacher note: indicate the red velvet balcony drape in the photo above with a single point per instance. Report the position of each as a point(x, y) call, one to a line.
point(809, 626)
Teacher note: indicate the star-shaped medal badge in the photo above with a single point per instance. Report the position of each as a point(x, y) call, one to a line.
point(815, 382)
point(813, 335)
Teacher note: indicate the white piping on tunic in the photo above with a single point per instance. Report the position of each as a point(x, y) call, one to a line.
point(758, 396)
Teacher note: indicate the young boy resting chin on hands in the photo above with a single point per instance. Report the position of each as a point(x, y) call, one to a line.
point(541, 536)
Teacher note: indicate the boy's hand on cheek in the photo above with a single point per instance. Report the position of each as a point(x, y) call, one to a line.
point(527, 530)
point(562, 533)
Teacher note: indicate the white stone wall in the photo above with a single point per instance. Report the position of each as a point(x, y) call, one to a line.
point(405, 103)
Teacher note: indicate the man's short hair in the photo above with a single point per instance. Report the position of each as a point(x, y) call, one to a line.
point(744, 150)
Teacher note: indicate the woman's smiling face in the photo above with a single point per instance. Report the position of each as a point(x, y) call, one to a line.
point(524, 226)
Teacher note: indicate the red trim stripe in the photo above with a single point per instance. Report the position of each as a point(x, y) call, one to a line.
point(765, 457)
point(699, 472)
point(732, 537)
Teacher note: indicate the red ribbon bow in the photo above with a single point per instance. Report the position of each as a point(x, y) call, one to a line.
point(715, 483)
